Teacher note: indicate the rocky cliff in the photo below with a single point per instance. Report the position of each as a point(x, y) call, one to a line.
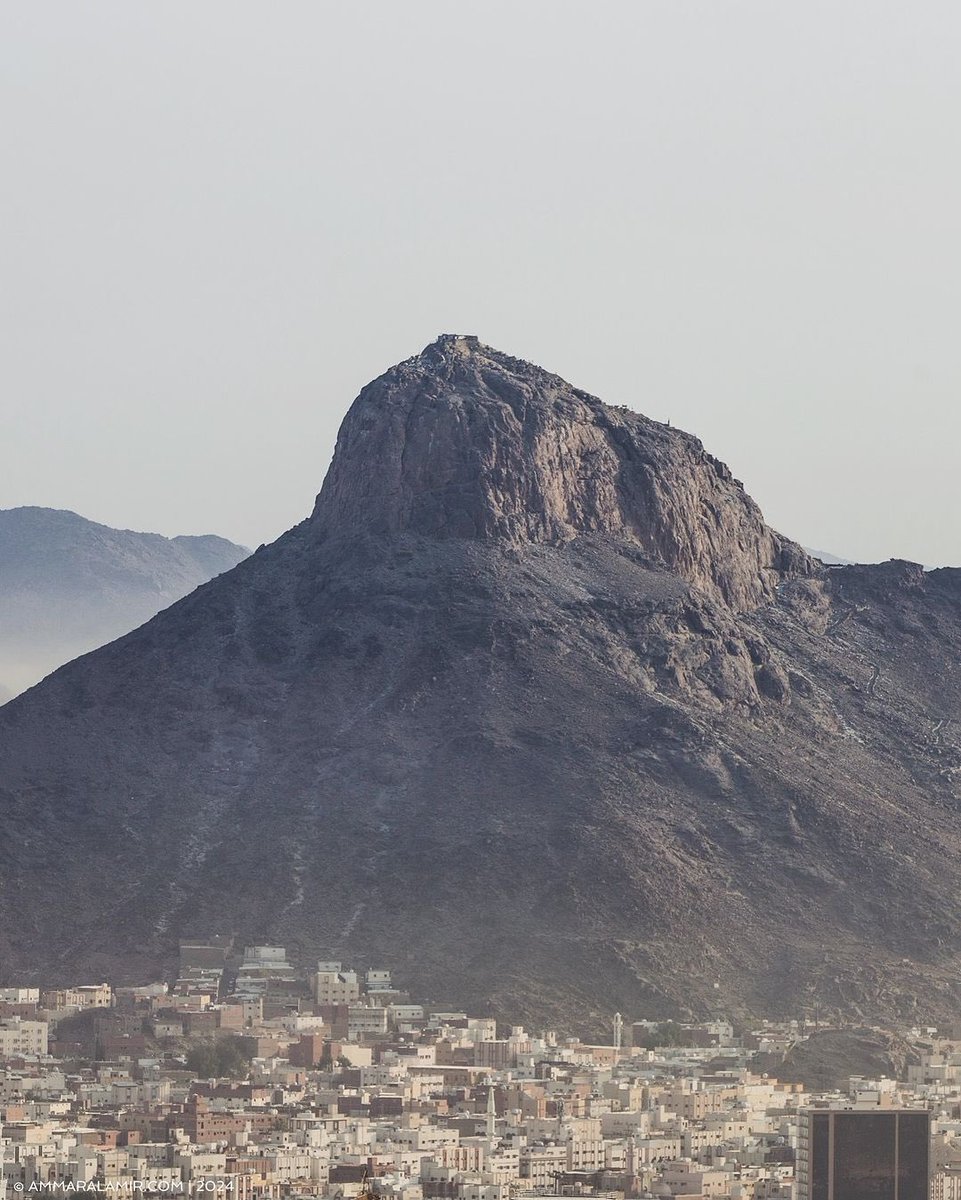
point(465, 442)
point(535, 708)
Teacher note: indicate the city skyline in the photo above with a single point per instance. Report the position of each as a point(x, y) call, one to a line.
point(244, 1072)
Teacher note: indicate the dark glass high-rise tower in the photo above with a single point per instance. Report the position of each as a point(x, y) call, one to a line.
point(863, 1154)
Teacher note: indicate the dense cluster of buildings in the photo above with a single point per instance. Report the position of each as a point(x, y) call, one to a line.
point(247, 1076)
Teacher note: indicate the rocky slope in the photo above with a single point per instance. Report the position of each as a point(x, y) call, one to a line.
point(825, 1061)
point(68, 585)
point(533, 707)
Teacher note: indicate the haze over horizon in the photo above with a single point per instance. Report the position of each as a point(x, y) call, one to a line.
point(226, 219)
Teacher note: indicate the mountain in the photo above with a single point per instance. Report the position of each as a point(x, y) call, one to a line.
point(535, 709)
point(68, 585)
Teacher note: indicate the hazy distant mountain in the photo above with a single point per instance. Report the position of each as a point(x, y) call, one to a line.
point(534, 708)
point(68, 585)
point(830, 560)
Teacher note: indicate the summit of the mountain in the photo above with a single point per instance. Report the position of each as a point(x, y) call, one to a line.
point(463, 441)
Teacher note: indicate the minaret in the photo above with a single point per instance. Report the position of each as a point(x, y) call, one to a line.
point(491, 1113)
point(618, 1032)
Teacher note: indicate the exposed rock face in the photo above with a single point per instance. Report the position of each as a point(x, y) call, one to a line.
point(68, 585)
point(826, 1061)
point(533, 708)
point(464, 442)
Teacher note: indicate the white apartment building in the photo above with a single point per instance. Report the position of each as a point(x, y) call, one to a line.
point(15, 995)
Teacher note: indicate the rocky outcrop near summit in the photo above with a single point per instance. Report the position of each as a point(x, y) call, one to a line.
point(68, 585)
point(534, 708)
point(469, 443)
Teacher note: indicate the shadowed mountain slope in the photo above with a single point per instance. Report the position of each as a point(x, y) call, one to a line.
point(534, 708)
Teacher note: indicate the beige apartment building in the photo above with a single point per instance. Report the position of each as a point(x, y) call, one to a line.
point(22, 1037)
point(334, 985)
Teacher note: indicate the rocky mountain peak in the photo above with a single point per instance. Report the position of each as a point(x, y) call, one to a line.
point(463, 441)
point(502, 671)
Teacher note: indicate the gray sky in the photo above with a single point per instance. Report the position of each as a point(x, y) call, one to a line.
point(219, 220)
